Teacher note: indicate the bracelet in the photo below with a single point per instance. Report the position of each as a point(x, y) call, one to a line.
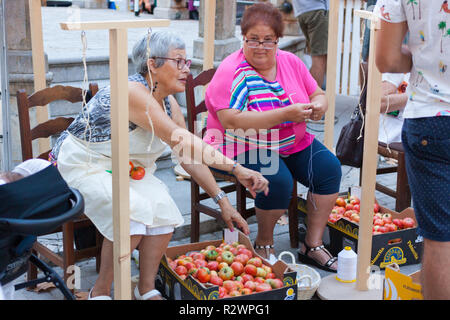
point(219, 196)
point(234, 167)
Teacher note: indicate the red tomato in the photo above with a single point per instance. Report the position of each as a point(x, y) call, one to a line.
point(137, 173)
point(216, 280)
point(408, 223)
point(398, 223)
point(257, 262)
point(222, 292)
point(356, 207)
point(181, 270)
point(245, 291)
point(203, 275)
point(263, 287)
point(354, 200)
point(229, 285)
point(250, 285)
point(376, 207)
point(237, 267)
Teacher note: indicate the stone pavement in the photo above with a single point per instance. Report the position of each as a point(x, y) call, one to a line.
point(65, 46)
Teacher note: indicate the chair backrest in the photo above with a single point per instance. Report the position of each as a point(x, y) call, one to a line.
point(50, 127)
point(193, 108)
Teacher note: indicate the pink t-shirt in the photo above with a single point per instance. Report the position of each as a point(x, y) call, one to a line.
point(237, 85)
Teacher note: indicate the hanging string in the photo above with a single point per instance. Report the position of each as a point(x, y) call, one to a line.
point(384, 125)
point(359, 103)
point(84, 89)
point(147, 109)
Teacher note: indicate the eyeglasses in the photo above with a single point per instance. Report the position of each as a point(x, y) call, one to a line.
point(181, 63)
point(268, 44)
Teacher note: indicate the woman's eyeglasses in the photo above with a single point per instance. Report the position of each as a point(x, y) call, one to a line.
point(268, 44)
point(181, 63)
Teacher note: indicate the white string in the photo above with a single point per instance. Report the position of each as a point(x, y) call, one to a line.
point(84, 112)
point(310, 164)
point(384, 125)
point(359, 103)
point(149, 32)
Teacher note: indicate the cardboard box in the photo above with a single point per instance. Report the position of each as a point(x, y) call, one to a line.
point(403, 247)
point(398, 286)
point(173, 287)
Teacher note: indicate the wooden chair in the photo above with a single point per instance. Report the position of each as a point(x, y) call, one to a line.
point(402, 194)
point(193, 110)
point(70, 255)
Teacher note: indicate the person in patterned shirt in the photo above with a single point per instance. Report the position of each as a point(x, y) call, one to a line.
point(426, 129)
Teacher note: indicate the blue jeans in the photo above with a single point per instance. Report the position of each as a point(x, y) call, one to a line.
point(315, 167)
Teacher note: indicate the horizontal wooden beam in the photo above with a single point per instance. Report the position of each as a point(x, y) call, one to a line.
point(114, 24)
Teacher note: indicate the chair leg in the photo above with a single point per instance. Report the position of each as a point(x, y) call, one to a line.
point(32, 270)
point(293, 218)
point(99, 243)
point(241, 200)
point(195, 214)
point(68, 249)
point(403, 192)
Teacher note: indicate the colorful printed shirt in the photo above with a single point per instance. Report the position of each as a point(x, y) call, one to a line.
point(429, 42)
point(236, 85)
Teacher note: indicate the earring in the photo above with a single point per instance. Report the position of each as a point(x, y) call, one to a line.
point(155, 86)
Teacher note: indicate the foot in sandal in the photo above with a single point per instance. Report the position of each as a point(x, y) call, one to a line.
point(318, 256)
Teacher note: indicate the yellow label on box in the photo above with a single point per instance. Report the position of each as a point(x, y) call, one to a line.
point(398, 286)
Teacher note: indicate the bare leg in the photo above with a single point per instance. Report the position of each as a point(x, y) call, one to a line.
point(435, 276)
point(105, 278)
point(151, 250)
point(319, 68)
point(319, 208)
point(267, 219)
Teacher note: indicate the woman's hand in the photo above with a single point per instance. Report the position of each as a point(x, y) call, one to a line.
point(318, 111)
point(231, 216)
point(298, 112)
point(252, 180)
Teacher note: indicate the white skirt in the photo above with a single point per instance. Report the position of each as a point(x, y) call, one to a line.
point(150, 202)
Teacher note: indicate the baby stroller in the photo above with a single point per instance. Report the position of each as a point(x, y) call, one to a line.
point(29, 207)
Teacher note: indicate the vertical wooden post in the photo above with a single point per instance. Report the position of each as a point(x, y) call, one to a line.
point(331, 73)
point(209, 34)
point(120, 149)
point(370, 161)
point(37, 49)
point(118, 64)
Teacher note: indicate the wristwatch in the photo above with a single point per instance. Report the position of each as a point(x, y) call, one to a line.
point(219, 196)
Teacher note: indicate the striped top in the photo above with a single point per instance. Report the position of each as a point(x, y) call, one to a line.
point(250, 92)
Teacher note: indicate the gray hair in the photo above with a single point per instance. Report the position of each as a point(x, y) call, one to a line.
point(161, 42)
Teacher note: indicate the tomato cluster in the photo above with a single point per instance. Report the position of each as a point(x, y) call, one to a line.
point(232, 267)
point(382, 222)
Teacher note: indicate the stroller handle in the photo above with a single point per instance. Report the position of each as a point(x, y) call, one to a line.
point(38, 227)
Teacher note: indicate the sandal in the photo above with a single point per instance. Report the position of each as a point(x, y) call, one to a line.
point(308, 260)
point(147, 295)
point(270, 256)
point(98, 297)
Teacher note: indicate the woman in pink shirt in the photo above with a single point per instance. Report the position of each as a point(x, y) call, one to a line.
point(258, 102)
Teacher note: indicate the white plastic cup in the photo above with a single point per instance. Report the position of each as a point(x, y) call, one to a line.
point(347, 263)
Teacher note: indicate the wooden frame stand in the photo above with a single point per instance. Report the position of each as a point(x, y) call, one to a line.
point(118, 45)
point(330, 288)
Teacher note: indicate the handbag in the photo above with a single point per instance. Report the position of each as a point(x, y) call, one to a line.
point(350, 145)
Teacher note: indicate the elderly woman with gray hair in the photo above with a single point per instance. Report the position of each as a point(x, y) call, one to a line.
point(83, 156)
